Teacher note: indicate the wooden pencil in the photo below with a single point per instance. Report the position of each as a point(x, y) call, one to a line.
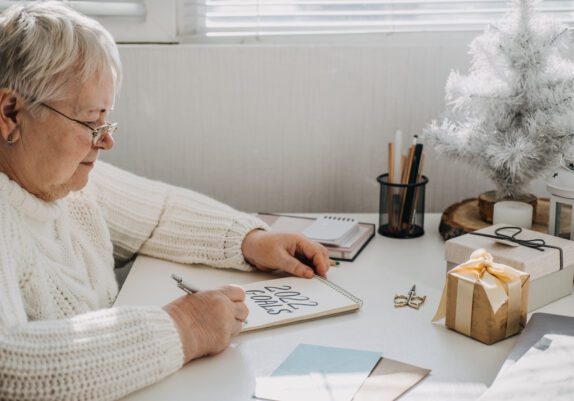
point(390, 189)
point(391, 177)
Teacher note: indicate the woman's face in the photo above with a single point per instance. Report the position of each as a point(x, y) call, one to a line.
point(54, 155)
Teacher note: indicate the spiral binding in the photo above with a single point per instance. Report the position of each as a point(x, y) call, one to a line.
point(341, 290)
point(338, 218)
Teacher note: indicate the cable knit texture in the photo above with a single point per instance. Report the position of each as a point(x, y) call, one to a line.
point(60, 337)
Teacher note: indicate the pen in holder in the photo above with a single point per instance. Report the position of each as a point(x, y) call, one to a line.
point(402, 208)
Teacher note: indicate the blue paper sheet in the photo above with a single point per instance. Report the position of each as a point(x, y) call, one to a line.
point(318, 373)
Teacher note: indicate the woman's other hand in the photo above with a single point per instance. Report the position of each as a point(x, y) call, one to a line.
point(292, 253)
point(207, 320)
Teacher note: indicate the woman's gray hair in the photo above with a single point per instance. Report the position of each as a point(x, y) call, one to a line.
point(46, 48)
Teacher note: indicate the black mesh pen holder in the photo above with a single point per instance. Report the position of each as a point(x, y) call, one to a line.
point(402, 208)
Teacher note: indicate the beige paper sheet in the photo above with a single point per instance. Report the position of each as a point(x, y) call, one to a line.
point(389, 380)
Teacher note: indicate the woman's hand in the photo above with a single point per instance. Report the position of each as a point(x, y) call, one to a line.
point(286, 252)
point(206, 321)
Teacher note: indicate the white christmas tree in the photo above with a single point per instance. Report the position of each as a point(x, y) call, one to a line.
point(513, 114)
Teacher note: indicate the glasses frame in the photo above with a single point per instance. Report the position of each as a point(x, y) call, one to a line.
point(97, 133)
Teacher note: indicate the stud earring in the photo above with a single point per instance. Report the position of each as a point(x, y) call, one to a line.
point(10, 140)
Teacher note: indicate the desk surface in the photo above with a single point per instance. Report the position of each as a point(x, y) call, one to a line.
point(461, 367)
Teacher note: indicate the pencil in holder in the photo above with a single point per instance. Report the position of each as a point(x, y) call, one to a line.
point(401, 208)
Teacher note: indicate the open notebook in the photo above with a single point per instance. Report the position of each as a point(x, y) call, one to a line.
point(271, 302)
point(292, 299)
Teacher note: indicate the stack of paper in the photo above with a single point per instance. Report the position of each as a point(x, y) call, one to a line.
point(318, 373)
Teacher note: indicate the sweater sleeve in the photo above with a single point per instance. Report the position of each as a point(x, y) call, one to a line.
point(100, 355)
point(168, 222)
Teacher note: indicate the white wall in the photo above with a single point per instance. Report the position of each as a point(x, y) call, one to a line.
point(286, 128)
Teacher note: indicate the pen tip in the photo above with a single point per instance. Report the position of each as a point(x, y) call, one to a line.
point(176, 278)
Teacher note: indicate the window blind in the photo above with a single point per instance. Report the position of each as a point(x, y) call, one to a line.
point(109, 8)
point(129, 21)
point(301, 17)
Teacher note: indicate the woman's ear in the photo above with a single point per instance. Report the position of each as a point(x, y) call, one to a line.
point(10, 107)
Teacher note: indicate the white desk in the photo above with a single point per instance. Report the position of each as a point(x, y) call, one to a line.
point(461, 367)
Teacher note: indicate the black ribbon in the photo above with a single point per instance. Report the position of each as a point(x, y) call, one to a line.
point(538, 243)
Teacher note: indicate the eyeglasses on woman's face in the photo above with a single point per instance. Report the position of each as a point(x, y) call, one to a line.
point(98, 133)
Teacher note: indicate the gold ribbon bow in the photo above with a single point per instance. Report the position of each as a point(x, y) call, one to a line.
point(501, 283)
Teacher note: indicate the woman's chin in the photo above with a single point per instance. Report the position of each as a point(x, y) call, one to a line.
point(75, 183)
point(78, 181)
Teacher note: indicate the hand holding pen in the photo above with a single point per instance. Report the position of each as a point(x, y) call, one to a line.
point(190, 289)
point(207, 320)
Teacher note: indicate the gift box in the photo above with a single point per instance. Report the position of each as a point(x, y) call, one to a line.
point(484, 300)
point(549, 260)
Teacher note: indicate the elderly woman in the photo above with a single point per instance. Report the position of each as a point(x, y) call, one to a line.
point(65, 217)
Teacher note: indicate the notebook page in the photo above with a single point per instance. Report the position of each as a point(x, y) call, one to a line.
point(289, 299)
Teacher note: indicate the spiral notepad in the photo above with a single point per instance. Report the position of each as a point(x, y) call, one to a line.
point(294, 299)
point(332, 230)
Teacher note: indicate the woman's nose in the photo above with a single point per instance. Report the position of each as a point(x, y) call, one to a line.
point(106, 142)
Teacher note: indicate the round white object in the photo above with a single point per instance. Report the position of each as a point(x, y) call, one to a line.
point(513, 213)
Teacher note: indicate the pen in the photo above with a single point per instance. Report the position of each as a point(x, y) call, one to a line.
point(184, 286)
point(189, 289)
point(334, 262)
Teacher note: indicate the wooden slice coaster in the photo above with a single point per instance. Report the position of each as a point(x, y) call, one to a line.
point(464, 217)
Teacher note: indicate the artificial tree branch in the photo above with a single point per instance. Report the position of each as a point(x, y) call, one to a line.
point(511, 110)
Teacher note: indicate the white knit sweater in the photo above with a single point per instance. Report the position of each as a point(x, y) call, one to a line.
point(60, 339)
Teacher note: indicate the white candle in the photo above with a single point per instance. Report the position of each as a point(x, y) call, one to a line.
point(513, 213)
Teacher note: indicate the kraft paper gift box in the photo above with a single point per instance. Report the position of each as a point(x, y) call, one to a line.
point(484, 300)
point(548, 282)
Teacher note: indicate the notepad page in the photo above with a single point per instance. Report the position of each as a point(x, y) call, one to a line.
point(333, 230)
point(290, 299)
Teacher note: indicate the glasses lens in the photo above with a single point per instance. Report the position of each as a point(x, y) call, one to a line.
point(100, 132)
